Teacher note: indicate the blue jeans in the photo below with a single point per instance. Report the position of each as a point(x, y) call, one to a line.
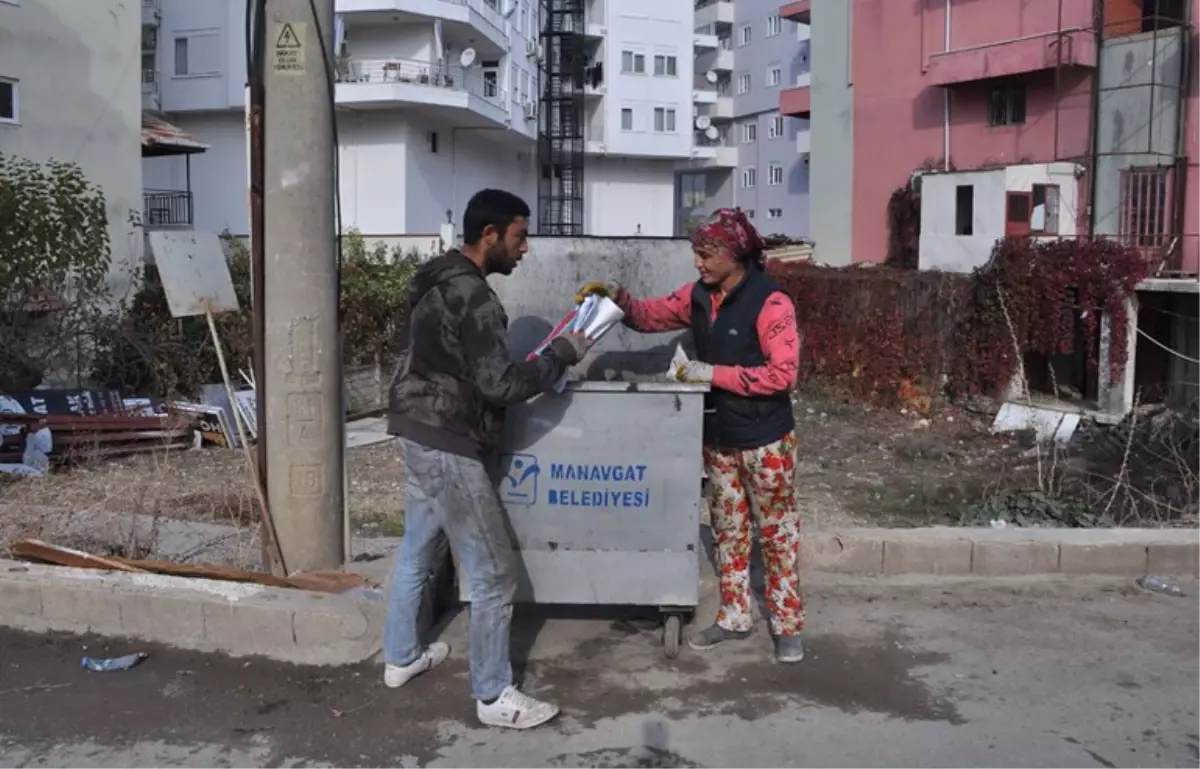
point(456, 495)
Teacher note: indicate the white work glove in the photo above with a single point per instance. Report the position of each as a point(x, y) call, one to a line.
point(570, 348)
point(607, 289)
point(695, 372)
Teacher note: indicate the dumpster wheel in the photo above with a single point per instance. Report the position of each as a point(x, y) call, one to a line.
point(672, 635)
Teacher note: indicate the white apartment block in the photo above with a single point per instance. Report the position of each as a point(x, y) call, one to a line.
point(419, 133)
point(69, 91)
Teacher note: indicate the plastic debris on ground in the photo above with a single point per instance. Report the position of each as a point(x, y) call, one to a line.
point(1160, 585)
point(97, 665)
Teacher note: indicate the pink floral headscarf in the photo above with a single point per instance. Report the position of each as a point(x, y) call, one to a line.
point(728, 232)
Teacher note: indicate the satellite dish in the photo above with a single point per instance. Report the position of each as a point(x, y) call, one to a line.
point(467, 58)
point(711, 76)
point(712, 133)
point(703, 122)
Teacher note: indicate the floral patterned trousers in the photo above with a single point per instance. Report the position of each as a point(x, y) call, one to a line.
point(761, 480)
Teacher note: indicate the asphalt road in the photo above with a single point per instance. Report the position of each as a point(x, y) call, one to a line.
point(920, 673)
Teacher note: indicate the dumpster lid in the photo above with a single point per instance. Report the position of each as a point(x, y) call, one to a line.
point(645, 387)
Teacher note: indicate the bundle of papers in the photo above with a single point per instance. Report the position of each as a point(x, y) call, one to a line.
point(593, 318)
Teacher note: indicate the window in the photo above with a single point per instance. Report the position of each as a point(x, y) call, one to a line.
point(514, 80)
point(749, 178)
point(964, 209)
point(774, 27)
point(9, 105)
point(524, 19)
point(491, 81)
point(775, 127)
point(746, 34)
point(1007, 105)
point(692, 192)
point(626, 119)
point(1044, 216)
point(665, 66)
point(750, 213)
point(743, 84)
point(664, 120)
point(774, 76)
point(198, 55)
point(1146, 204)
point(775, 174)
point(749, 132)
point(725, 42)
point(633, 63)
point(774, 213)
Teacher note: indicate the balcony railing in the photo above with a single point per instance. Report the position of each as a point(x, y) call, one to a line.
point(168, 208)
point(423, 73)
point(149, 82)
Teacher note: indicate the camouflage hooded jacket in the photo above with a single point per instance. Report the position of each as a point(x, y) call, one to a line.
point(454, 375)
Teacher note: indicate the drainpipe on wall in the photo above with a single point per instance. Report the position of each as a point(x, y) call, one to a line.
point(946, 99)
point(1094, 127)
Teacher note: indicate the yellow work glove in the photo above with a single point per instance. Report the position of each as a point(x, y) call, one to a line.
point(694, 372)
point(606, 289)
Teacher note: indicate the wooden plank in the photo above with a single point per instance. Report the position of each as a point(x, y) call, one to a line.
point(36, 550)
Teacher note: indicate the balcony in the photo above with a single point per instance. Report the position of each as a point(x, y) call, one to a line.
point(722, 108)
point(717, 13)
point(803, 143)
point(1017, 56)
point(723, 61)
point(797, 100)
point(703, 92)
point(151, 96)
point(713, 155)
point(463, 96)
point(799, 11)
point(465, 19)
point(166, 209)
point(705, 42)
point(151, 12)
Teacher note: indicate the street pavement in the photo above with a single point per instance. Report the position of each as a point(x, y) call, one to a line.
point(914, 672)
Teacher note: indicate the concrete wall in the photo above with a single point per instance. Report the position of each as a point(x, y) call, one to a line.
point(1138, 114)
point(541, 290)
point(77, 72)
point(832, 164)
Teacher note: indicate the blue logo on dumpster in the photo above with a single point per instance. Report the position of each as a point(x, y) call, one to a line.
point(519, 485)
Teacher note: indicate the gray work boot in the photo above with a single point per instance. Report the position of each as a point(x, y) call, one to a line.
point(714, 635)
point(789, 648)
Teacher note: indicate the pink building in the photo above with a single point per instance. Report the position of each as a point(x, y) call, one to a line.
point(1056, 118)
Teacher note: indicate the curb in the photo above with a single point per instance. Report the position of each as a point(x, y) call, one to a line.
point(1004, 552)
point(320, 629)
point(202, 615)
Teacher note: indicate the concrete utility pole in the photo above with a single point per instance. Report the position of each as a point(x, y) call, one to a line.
point(301, 347)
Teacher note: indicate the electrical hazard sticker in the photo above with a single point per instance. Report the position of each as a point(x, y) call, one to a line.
point(289, 49)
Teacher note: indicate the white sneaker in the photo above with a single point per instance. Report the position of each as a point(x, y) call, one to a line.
point(514, 710)
point(395, 676)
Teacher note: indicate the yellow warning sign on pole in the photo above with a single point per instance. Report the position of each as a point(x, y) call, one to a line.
point(290, 43)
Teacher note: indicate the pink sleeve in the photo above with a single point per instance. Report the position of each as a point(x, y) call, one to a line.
point(661, 313)
point(780, 340)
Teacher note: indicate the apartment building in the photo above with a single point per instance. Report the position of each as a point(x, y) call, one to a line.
point(1002, 114)
point(1054, 119)
point(758, 157)
point(69, 91)
point(423, 124)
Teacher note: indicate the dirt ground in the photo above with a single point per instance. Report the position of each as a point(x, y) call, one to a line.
point(858, 466)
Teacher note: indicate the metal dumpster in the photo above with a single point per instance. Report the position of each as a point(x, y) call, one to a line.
point(601, 485)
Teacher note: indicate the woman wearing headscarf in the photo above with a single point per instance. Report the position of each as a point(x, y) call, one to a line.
point(748, 347)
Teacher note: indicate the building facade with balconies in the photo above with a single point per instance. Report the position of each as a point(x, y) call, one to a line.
point(69, 91)
point(419, 132)
point(748, 154)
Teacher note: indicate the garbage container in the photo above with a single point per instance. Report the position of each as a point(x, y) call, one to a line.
point(601, 488)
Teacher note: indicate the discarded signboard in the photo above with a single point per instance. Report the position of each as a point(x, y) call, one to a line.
point(210, 421)
point(88, 403)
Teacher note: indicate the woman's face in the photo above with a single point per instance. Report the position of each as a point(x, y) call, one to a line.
point(714, 267)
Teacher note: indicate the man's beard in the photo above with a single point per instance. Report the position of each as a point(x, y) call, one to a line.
point(497, 261)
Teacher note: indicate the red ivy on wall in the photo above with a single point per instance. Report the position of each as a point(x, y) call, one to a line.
point(893, 336)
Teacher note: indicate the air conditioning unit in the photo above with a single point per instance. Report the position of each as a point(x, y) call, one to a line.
point(531, 109)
